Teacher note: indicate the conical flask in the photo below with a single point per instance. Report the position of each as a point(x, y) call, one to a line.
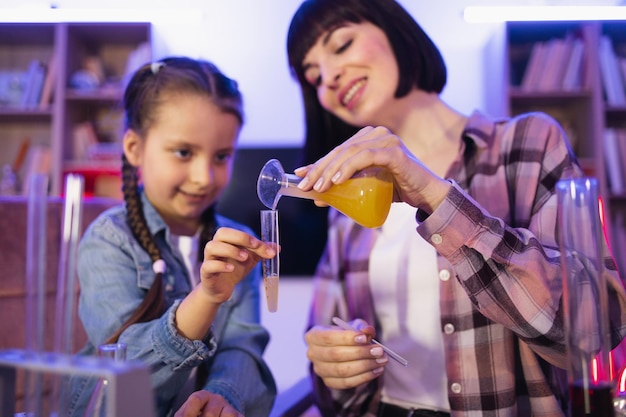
point(113, 352)
point(365, 198)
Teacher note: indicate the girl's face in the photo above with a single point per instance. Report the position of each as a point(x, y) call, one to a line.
point(354, 71)
point(186, 158)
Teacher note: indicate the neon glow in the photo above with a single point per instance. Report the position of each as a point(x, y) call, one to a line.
point(45, 15)
point(493, 14)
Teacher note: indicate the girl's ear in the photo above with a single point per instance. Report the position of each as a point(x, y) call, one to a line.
point(132, 147)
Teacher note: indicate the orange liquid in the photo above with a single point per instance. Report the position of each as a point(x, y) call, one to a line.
point(366, 200)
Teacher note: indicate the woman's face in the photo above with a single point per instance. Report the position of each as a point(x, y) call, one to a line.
point(354, 71)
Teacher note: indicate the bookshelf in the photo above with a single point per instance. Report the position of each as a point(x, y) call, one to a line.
point(48, 122)
point(585, 105)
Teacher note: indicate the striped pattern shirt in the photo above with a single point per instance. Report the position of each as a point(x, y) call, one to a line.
point(501, 309)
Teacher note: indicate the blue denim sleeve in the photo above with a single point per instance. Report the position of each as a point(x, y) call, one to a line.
point(238, 371)
point(114, 278)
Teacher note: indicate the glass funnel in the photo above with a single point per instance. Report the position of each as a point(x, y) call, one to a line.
point(365, 198)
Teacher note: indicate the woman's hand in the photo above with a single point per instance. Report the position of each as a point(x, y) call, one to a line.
point(414, 183)
point(345, 358)
point(228, 258)
point(206, 404)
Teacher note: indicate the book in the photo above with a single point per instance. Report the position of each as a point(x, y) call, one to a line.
point(611, 78)
point(572, 78)
point(29, 82)
point(614, 168)
point(37, 85)
point(47, 90)
point(534, 66)
point(83, 138)
point(620, 140)
point(38, 161)
point(556, 60)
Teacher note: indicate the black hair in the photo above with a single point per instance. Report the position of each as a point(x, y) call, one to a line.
point(420, 62)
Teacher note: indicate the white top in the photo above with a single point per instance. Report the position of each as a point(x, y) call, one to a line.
point(188, 247)
point(405, 286)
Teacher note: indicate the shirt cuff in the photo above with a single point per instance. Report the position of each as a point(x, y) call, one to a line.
point(176, 350)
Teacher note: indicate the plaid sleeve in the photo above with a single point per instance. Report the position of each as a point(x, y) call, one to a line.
point(500, 233)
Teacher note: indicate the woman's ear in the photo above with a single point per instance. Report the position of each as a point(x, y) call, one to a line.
point(132, 144)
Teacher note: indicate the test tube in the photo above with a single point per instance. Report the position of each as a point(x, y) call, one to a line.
point(271, 267)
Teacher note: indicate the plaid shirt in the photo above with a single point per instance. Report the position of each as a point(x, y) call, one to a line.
point(501, 318)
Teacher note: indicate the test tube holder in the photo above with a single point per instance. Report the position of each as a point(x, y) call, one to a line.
point(129, 389)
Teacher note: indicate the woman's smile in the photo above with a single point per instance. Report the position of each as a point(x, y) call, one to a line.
point(350, 95)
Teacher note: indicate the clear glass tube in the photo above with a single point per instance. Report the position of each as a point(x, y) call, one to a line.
point(35, 286)
point(584, 298)
point(115, 352)
point(271, 267)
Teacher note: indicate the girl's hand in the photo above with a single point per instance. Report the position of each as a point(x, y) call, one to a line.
point(206, 404)
point(345, 358)
point(228, 258)
point(414, 183)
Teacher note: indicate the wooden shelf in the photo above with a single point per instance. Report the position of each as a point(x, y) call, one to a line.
point(583, 112)
point(52, 127)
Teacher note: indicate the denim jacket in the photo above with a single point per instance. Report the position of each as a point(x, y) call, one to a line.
point(115, 274)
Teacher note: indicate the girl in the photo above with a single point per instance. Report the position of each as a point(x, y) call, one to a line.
point(166, 275)
point(463, 279)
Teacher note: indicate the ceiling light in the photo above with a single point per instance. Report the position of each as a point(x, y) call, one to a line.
point(49, 15)
point(491, 14)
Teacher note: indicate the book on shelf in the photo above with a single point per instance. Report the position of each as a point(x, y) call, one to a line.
point(38, 161)
point(556, 59)
point(617, 245)
point(33, 83)
point(612, 81)
point(621, 66)
point(84, 136)
point(614, 144)
point(534, 67)
point(572, 78)
point(49, 83)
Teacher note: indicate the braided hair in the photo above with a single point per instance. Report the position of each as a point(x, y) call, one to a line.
point(145, 92)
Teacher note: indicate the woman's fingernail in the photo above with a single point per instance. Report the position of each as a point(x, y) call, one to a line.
point(384, 359)
point(360, 338)
point(318, 185)
point(298, 169)
point(336, 177)
point(376, 351)
point(378, 371)
point(302, 184)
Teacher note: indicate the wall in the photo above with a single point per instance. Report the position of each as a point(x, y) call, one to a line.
point(286, 352)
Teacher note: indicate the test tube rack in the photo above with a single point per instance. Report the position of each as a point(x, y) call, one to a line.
point(129, 389)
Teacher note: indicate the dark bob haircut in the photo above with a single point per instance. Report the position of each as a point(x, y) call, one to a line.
point(419, 60)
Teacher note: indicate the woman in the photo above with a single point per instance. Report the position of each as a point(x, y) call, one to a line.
point(463, 279)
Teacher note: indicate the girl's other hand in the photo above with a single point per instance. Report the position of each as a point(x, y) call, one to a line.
point(206, 404)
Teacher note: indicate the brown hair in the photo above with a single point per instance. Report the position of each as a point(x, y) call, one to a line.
point(144, 93)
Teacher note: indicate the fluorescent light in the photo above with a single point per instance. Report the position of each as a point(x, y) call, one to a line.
point(45, 15)
point(491, 14)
